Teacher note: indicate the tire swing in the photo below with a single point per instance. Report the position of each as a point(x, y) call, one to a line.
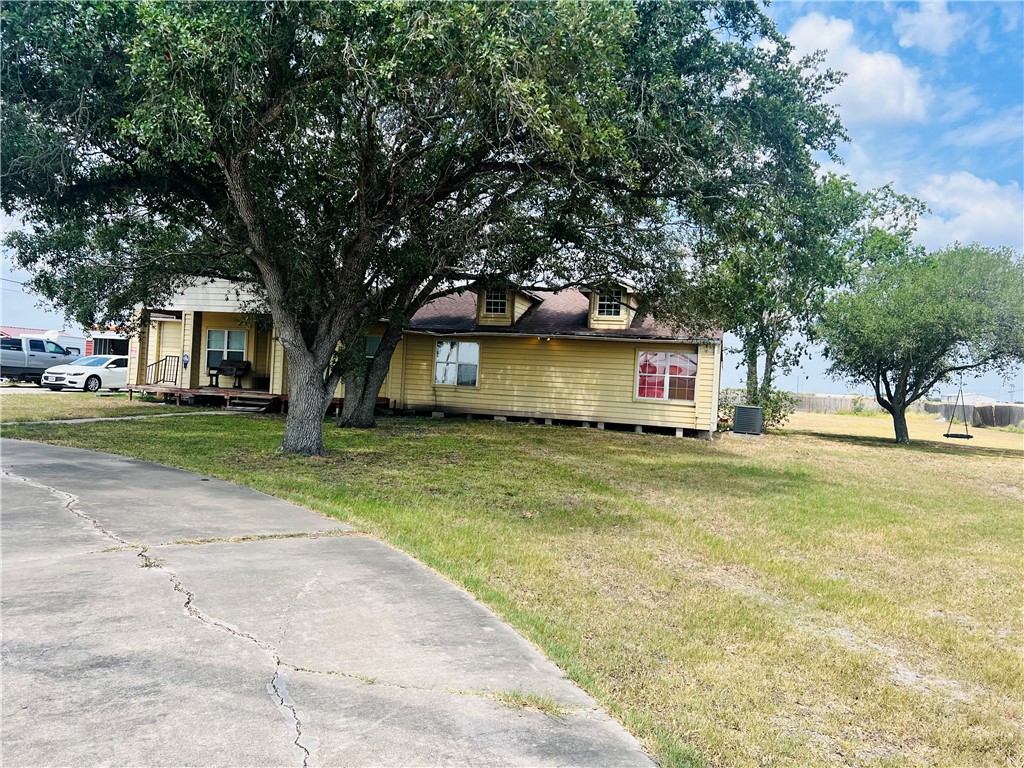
point(966, 434)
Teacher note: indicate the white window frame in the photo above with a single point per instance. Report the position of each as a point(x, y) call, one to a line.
point(225, 349)
point(609, 303)
point(457, 363)
point(494, 297)
point(666, 376)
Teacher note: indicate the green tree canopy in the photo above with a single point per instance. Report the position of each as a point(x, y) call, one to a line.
point(350, 161)
point(781, 264)
point(910, 323)
point(769, 285)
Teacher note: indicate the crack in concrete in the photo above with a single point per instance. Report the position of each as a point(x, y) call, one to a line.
point(70, 500)
point(305, 745)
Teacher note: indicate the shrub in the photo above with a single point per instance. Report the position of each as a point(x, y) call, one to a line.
point(728, 399)
point(777, 406)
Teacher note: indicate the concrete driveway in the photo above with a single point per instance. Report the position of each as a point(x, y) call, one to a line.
point(156, 617)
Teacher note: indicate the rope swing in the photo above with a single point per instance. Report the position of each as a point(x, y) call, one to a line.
point(966, 434)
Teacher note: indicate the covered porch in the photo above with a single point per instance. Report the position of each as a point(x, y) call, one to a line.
point(186, 353)
point(231, 398)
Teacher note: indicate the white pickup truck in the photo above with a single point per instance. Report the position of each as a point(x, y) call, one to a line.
point(24, 358)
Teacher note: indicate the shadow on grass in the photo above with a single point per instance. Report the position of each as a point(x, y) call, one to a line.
point(918, 446)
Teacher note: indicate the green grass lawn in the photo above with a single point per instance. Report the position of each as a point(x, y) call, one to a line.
point(815, 596)
point(43, 406)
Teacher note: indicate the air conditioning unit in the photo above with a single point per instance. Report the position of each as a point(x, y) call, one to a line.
point(748, 420)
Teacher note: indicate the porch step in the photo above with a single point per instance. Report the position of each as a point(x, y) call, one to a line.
point(252, 404)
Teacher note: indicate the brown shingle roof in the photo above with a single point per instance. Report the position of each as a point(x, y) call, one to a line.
point(562, 313)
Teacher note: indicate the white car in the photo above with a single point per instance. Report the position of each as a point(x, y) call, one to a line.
point(91, 374)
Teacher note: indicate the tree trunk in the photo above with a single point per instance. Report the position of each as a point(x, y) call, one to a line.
point(363, 381)
point(750, 357)
point(899, 421)
point(767, 379)
point(309, 396)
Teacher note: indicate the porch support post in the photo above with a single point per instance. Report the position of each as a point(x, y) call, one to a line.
point(192, 345)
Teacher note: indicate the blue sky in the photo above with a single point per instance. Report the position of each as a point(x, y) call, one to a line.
point(933, 102)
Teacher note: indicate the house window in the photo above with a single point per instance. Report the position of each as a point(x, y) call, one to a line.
point(496, 303)
point(456, 363)
point(372, 345)
point(609, 303)
point(667, 376)
point(224, 345)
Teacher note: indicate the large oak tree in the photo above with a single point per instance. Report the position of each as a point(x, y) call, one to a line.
point(351, 161)
point(912, 322)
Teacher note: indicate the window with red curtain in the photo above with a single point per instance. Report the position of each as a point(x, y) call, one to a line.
point(667, 376)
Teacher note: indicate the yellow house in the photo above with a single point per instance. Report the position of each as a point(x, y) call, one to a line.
point(581, 356)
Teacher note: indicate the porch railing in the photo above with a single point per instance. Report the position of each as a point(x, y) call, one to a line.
point(163, 371)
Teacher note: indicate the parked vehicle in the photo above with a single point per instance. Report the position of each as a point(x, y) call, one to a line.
point(90, 374)
point(26, 358)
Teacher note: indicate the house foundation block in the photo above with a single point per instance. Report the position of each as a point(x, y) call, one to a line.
point(548, 422)
point(437, 414)
point(501, 418)
point(638, 429)
point(600, 425)
point(679, 432)
point(705, 434)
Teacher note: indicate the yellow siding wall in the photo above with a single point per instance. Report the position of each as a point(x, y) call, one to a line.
point(522, 304)
point(579, 379)
point(192, 344)
point(391, 388)
point(169, 344)
point(185, 377)
point(278, 368)
point(138, 346)
point(152, 349)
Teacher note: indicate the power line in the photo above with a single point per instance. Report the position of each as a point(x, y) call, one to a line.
point(8, 280)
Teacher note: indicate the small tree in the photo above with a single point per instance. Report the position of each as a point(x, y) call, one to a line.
point(915, 321)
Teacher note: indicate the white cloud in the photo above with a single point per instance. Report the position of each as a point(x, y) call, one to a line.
point(1006, 127)
point(1011, 14)
point(879, 87)
point(932, 27)
point(954, 103)
point(967, 208)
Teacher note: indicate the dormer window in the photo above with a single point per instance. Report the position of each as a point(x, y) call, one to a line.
point(496, 302)
point(609, 303)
